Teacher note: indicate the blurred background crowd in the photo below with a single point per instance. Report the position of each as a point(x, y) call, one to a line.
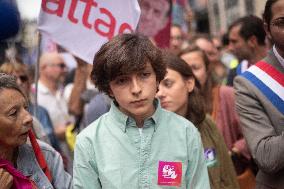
point(218, 39)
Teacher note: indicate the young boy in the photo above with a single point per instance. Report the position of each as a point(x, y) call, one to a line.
point(136, 144)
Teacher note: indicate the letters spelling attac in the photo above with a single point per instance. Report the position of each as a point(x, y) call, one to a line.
point(110, 25)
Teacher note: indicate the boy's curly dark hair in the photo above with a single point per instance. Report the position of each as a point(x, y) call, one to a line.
point(125, 54)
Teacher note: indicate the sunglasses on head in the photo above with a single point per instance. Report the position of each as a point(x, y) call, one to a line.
point(61, 65)
point(23, 78)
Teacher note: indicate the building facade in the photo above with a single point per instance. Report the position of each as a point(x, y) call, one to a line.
point(222, 13)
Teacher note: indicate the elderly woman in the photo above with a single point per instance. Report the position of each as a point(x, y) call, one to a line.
point(42, 124)
point(23, 164)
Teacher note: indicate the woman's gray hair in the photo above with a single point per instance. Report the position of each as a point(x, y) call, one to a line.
point(9, 82)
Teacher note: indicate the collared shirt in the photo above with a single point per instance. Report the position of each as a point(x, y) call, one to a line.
point(56, 105)
point(57, 109)
point(111, 153)
point(278, 56)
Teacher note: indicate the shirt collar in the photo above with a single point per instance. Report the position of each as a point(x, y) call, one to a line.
point(278, 56)
point(125, 121)
point(42, 88)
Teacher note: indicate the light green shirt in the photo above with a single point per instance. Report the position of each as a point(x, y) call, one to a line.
point(111, 153)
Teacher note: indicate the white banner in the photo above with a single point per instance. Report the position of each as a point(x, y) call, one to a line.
point(83, 26)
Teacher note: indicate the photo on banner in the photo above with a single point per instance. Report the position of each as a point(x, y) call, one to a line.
point(155, 20)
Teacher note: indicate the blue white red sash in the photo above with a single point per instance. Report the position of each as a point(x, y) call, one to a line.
point(269, 81)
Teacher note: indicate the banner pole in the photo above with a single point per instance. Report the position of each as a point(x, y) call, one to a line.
point(36, 76)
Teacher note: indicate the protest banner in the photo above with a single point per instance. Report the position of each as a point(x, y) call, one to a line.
point(82, 26)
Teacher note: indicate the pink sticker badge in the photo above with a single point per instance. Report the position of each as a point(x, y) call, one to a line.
point(169, 173)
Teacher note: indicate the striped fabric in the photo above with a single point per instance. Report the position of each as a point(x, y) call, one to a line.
point(269, 81)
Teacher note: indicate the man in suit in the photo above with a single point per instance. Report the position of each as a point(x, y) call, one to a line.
point(260, 103)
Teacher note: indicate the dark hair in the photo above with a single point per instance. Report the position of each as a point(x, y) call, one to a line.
point(267, 14)
point(225, 39)
point(9, 82)
point(10, 20)
point(125, 54)
point(211, 82)
point(250, 26)
point(195, 109)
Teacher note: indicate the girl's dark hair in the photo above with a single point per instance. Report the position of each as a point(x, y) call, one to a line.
point(206, 90)
point(195, 110)
point(267, 14)
point(125, 54)
point(9, 82)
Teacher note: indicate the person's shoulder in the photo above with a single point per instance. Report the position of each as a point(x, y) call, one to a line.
point(176, 121)
point(245, 88)
point(209, 125)
point(44, 147)
point(26, 148)
point(240, 82)
point(93, 127)
point(42, 89)
point(227, 94)
point(166, 114)
point(247, 80)
point(99, 103)
point(226, 89)
point(41, 110)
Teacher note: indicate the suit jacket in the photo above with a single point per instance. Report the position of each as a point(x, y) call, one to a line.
point(263, 128)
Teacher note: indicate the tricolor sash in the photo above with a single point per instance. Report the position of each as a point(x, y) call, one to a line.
point(269, 81)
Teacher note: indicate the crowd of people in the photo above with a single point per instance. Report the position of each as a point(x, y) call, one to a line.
point(208, 112)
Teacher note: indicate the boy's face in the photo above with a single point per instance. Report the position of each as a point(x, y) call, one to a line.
point(135, 93)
